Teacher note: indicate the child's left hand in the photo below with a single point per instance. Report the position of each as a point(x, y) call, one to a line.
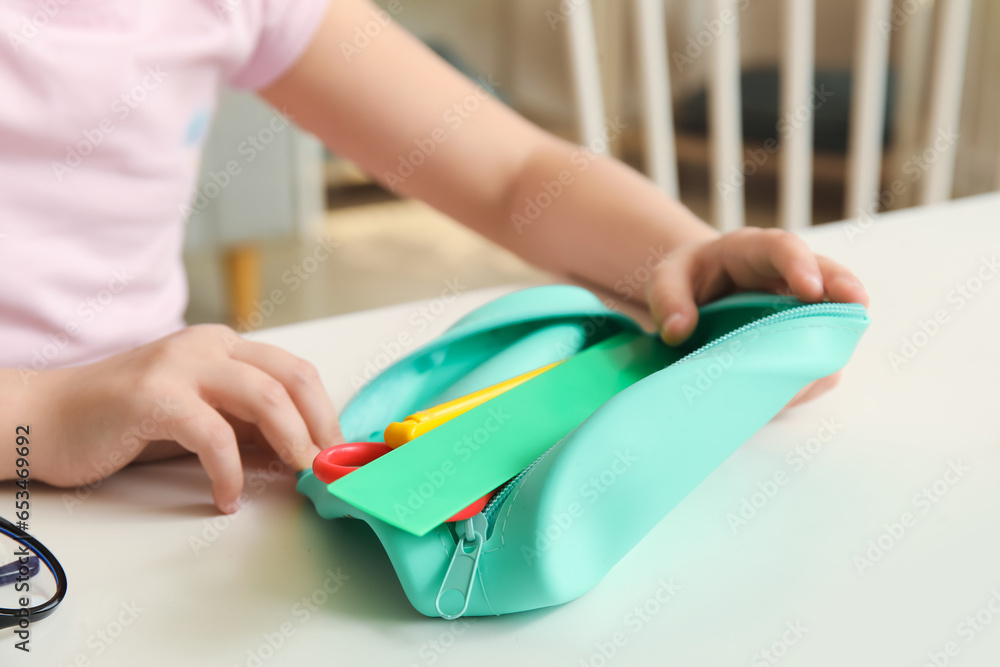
point(749, 259)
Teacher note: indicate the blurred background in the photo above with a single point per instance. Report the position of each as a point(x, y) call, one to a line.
point(808, 111)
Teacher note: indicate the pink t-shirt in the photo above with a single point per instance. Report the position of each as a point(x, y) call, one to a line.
point(103, 109)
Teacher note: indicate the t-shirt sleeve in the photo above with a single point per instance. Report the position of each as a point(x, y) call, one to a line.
point(279, 32)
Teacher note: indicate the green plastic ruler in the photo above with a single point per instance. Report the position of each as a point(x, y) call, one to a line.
point(424, 482)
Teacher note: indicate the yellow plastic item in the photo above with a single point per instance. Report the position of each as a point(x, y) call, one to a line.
point(400, 433)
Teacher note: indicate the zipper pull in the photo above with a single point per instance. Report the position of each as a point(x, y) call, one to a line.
point(461, 573)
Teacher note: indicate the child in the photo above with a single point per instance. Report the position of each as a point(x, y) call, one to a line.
point(100, 130)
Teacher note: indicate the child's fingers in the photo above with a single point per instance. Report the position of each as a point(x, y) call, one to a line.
point(840, 284)
point(762, 255)
point(250, 394)
point(671, 299)
point(301, 380)
point(206, 433)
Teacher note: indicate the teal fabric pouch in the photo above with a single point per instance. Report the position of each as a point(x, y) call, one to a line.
point(550, 534)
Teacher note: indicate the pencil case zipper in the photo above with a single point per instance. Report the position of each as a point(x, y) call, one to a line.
point(472, 533)
point(848, 310)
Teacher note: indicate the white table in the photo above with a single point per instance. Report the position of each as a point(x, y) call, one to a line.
point(898, 432)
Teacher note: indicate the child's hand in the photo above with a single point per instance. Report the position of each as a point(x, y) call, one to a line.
point(192, 388)
point(748, 259)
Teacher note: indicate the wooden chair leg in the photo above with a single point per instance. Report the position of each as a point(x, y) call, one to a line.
point(243, 286)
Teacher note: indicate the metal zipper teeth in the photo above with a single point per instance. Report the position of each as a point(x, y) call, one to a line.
point(834, 309)
point(500, 496)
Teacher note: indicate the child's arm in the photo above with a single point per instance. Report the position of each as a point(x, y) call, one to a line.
point(392, 105)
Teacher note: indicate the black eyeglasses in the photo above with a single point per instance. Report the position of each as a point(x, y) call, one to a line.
point(30, 555)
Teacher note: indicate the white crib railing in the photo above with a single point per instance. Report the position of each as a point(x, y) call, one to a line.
point(875, 25)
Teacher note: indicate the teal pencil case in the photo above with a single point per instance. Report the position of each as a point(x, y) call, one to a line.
point(551, 532)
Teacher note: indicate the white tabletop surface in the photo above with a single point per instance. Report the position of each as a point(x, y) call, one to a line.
point(158, 578)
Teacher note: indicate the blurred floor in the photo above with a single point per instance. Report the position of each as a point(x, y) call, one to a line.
point(379, 254)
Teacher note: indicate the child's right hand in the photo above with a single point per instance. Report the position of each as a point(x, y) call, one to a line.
point(191, 387)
